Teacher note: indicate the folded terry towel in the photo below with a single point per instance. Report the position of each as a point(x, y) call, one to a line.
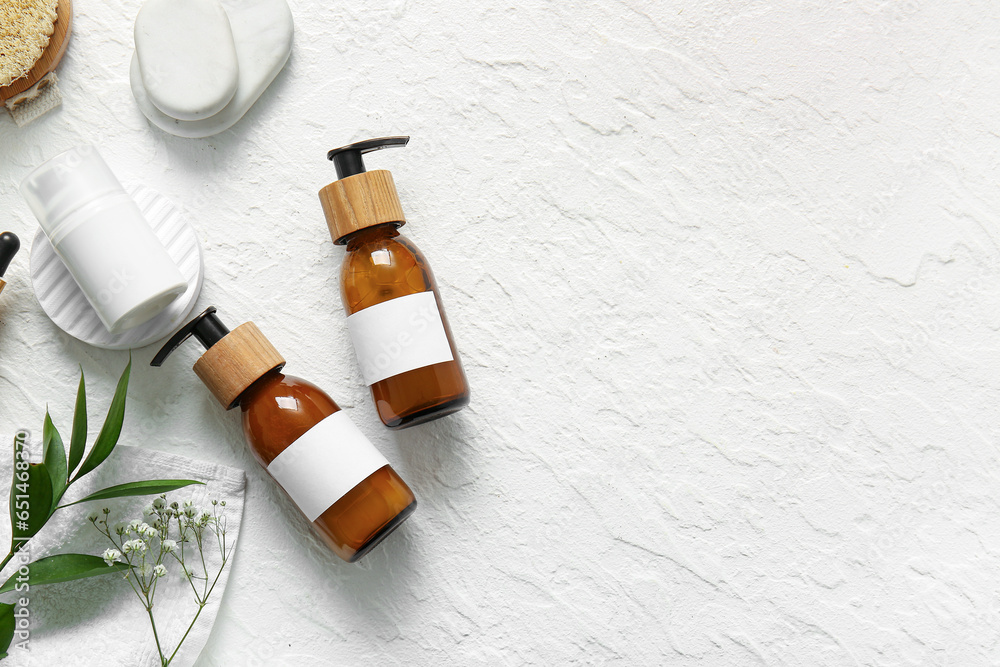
point(100, 621)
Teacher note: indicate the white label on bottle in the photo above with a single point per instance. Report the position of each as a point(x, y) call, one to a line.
point(399, 335)
point(325, 463)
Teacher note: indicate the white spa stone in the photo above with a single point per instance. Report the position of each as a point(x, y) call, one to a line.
point(186, 57)
point(262, 32)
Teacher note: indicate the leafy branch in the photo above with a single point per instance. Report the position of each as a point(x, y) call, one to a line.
point(38, 488)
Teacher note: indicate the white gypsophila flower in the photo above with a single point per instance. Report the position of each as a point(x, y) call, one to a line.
point(134, 546)
point(121, 528)
point(188, 503)
point(159, 503)
point(160, 570)
point(134, 524)
point(148, 510)
point(168, 546)
point(111, 556)
point(204, 518)
point(147, 531)
point(190, 511)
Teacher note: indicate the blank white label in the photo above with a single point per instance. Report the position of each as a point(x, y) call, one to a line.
point(399, 335)
point(325, 463)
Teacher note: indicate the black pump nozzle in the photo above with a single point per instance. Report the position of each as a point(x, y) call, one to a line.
point(347, 159)
point(9, 245)
point(207, 328)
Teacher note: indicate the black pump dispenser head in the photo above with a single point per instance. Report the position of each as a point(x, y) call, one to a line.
point(348, 159)
point(233, 360)
point(207, 328)
point(9, 245)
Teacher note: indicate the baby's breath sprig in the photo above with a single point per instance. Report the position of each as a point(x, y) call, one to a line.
point(167, 532)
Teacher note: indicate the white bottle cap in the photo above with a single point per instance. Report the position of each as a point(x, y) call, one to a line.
point(102, 238)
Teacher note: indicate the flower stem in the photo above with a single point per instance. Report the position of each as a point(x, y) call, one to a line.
point(181, 642)
point(149, 612)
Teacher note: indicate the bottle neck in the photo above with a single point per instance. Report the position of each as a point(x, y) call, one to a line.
point(250, 394)
point(386, 230)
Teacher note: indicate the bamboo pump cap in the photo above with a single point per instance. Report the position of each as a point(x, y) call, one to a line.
point(360, 198)
point(233, 360)
point(9, 245)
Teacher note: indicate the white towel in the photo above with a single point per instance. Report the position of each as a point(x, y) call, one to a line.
point(100, 621)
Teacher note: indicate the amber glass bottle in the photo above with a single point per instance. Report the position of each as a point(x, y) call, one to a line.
point(277, 410)
point(338, 480)
point(394, 312)
point(380, 265)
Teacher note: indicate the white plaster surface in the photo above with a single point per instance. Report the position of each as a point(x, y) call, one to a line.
point(724, 278)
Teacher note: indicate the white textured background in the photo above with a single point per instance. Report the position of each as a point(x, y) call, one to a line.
point(724, 277)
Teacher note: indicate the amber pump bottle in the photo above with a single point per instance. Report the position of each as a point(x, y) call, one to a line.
point(394, 313)
point(9, 245)
point(339, 481)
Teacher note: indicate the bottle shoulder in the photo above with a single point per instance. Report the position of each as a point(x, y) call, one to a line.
point(286, 392)
point(383, 267)
point(280, 411)
point(377, 248)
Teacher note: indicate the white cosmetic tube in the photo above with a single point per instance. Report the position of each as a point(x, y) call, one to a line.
point(103, 239)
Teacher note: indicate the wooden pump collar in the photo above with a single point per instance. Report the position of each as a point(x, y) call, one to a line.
point(360, 201)
point(230, 366)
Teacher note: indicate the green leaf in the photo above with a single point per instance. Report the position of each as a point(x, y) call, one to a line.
point(55, 459)
point(30, 500)
point(144, 488)
point(112, 429)
point(6, 628)
point(63, 567)
point(78, 442)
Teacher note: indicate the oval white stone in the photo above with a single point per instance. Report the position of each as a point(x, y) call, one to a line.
point(186, 56)
point(262, 30)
